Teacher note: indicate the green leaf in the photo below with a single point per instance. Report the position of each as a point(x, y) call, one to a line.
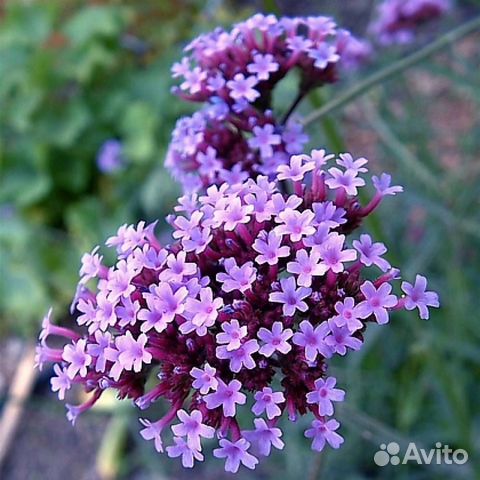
point(96, 21)
point(139, 129)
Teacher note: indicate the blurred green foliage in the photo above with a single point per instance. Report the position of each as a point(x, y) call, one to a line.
point(74, 74)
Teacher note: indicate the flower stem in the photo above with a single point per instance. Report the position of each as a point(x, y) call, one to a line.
point(362, 87)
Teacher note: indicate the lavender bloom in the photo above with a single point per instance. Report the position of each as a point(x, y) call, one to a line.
point(370, 253)
point(306, 266)
point(291, 296)
point(266, 401)
point(348, 314)
point(232, 334)
point(341, 338)
point(269, 249)
point(323, 432)
point(204, 379)
point(77, 359)
point(418, 297)
point(324, 394)
point(61, 383)
point(237, 278)
point(313, 340)
point(240, 357)
point(398, 20)
point(236, 454)
point(275, 339)
point(264, 139)
point(264, 437)
point(193, 428)
point(377, 301)
point(226, 396)
point(186, 451)
point(254, 311)
point(110, 156)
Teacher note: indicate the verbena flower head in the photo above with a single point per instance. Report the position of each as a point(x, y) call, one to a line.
point(241, 312)
point(237, 135)
point(398, 20)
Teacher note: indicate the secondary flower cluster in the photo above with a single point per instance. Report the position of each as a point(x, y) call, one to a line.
point(397, 20)
point(237, 135)
point(261, 286)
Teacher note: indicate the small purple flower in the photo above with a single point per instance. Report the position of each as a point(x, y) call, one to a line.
point(266, 401)
point(194, 80)
point(233, 215)
point(264, 139)
point(127, 311)
point(263, 66)
point(152, 431)
point(237, 278)
point(275, 340)
point(291, 296)
point(152, 316)
point(346, 180)
point(376, 301)
point(324, 394)
point(346, 161)
point(328, 214)
point(228, 396)
point(418, 297)
point(323, 55)
point(183, 449)
point(370, 253)
point(178, 268)
point(313, 340)
point(268, 246)
point(205, 379)
point(171, 303)
point(97, 350)
point(61, 383)
point(295, 224)
point(333, 255)
point(382, 185)
point(232, 334)
point(242, 88)
point(348, 314)
point(296, 170)
point(91, 265)
point(240, 357)
point(78, 360)
point(340, 338)
point(236, 453)
point(204, 310)
point(193, 428)
point(132, 354)
point(322, 432)
point(306, 266)
point(264, 437)
point(110, 156)
point(294, 137)
point(298, 44)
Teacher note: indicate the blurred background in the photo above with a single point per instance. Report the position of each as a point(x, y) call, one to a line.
point(85, 119)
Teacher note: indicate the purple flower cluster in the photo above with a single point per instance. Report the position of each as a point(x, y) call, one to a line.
point(236, 135)
point(262, 285)
point(397, 20)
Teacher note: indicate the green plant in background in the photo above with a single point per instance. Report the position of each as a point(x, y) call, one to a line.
point(75, 75)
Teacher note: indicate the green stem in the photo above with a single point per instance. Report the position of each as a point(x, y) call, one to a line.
point(329, 126)
point(362, 87)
